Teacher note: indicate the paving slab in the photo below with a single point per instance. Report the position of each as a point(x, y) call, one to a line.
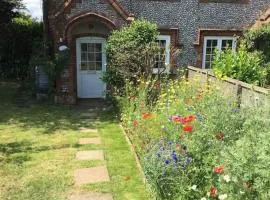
point(90, 155)
point(84, 115)
point(91, 175)
point(86, 130)
point(92, 140)
point(91, 196)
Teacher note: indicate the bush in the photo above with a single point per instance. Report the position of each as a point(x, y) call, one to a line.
point(242, 65)
point(20, 38)
point(131, 52)
point(196, 144)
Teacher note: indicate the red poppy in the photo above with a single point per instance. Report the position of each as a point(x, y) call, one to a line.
point(220, 136)
point(157, 85)
point(146, 115)
point(188, 128)
point(183, 120)
point(132, 97)
point(135, 123)
point(218, 169)
point(213, 191)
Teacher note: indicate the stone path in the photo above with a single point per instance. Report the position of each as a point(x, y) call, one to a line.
point(90, 175)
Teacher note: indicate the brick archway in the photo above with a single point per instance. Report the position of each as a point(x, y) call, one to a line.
point(86, 17)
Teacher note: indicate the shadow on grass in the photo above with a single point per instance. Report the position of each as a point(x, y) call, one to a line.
point(18, 152)
point(47, 116)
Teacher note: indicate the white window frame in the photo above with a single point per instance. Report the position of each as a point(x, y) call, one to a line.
point(167, 38)
point(219, 45)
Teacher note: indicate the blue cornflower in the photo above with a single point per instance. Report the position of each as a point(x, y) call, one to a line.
point(167, 162)
point(174, 157)
point(188, 160)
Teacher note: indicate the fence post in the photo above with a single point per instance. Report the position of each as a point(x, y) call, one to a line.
point(239, 95)
point(186, 73)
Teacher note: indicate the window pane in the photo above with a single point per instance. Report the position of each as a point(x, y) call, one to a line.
point(98, 66)
point(208, 57)
point(84, 56)
point(226, 44)
point(84, 47)
point(92, 66)
point(99, 57)
point(98, 47)
point(207, 65)
point(84, 66)
point(91, 47)
point(91, 57)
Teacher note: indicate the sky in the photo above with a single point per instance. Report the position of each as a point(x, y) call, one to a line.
point(34, 8)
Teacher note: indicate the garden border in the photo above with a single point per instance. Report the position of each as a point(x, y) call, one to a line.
point(245, 94)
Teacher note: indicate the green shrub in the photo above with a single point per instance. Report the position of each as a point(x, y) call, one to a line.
point(242, 65)
point(131, 51)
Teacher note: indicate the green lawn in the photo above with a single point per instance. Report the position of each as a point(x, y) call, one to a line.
point(38, 143)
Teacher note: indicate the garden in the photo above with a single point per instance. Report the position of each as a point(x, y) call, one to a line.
point(192, 141)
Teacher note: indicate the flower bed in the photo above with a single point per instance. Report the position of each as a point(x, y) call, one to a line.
point(194, 143)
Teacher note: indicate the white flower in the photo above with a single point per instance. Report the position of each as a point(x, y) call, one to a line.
point(203, 198)
point(227, 178)
point(194, 187)
point(63, 48)
point(241, 192)
point(222, 196)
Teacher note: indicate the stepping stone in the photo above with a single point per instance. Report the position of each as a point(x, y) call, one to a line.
point(90, 155)
point(91, 196)
point(93, 140)
point(84, 115)
point(85, 130)
point(91, 175)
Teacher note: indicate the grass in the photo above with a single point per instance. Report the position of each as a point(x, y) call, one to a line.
point(38, 142)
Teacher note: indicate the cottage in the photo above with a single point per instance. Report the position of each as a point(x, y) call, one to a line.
point(196, 27)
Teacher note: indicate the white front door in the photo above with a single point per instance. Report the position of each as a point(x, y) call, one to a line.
point(91, 62)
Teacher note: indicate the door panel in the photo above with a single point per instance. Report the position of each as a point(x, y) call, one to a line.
point(91, 62)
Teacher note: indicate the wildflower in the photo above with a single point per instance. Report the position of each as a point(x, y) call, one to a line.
point(146, 115)
point(213, 191)
point(167, 162)
point(199, 116)
point(227, 178)
point(220, 136)
point(247, 185)
point(174, 156)
point(157, 85)
point(222, 196)
point(218, 169)
point(188, 128)
point(203, 198)
point(193, 187)
point(188, 160)
point(135, 123)
point(184, 147)
point(132, 97)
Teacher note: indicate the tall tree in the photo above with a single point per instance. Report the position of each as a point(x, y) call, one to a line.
point(9, 9)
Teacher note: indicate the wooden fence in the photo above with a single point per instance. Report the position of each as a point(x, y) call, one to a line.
point(245, 94)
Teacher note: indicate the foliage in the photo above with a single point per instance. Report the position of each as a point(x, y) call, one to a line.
point(9, 9)
point(259, 39)
point(131, 51)
point(242, 65)
point(196, 144)
point(22, 37)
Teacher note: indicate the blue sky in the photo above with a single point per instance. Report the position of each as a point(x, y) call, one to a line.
point(34, 8)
